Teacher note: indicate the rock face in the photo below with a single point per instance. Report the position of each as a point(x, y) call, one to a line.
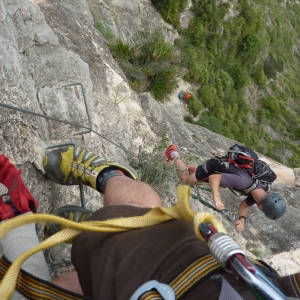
point(297, 176)
point(48, 44)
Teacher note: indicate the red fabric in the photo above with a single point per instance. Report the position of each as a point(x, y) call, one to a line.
point(20, 197)
point(170, 149)
point(187, 96)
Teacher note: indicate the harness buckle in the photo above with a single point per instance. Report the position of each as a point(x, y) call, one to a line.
point(164, 290)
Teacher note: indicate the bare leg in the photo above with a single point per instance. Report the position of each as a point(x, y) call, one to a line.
point(119, 190)
point(69, 281)
point(122, 190)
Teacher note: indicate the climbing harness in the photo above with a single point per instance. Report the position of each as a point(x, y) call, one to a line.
point(219, 242)
point(153, 217)
point(35, 288)
point(195, 273)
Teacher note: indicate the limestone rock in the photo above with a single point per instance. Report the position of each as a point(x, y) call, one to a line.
point(46, 44)
point(297, 176)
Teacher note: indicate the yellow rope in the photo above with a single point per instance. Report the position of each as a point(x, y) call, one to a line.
point(155, 216)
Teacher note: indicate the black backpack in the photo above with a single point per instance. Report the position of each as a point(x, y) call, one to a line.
point(247, 159)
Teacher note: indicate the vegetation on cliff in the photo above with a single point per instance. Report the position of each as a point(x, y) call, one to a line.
point(243, 60)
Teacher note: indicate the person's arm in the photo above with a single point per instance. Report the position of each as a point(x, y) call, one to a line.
point(183, 172)
point(214, 184)
point(242, 211)
point(182, 169)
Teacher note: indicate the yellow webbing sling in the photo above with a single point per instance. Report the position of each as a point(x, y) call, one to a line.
point(35, 288)
point(155, 216)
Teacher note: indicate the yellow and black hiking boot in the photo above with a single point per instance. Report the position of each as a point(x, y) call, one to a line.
point(72, 165)
point(69, 212)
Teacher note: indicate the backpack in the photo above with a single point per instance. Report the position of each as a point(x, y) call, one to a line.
point(242, 156)
point(247, 159)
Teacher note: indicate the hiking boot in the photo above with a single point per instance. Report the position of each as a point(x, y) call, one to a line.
point(72, 165)
point(21, 200)
point(69, 212)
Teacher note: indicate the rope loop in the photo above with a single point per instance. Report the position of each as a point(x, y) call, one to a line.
point(71, 229)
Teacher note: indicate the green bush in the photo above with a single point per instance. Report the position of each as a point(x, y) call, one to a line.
point(151, 46)
point(272, 66)
point(251, 45)
point(258, 75)
point(211, 122)
point(189, 119)
point(120, 50)
point(271, 104)
point(194, 107)
point(152, 170)
point(238, 75)
point(148, 64)
point(170, 9)
point(249, 13)
point(163, 84)
point(294, 130)
point(196, 32)
point(207, 94)
point(263, 115)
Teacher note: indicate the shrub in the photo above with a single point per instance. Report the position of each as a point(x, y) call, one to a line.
point(272, 66)
point(151, 46)
point(170, 9)
point(196, 32)
point(207, 95)
point(194, 107)
point(120, 50)
point(258, 75)
point(163, 84)
point(249, 13)
point(189, 119)
point(271, 104)
point(148, 64)
point(238, 75)
point(153, 171)
point(211, 122)
point(251, 45)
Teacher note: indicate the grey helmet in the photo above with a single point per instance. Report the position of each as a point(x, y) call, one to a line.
point(274, 206)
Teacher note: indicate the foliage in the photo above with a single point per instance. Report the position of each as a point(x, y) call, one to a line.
point(211, 122)
point(258, 75)
point(151, 170)
point(228, 58)
point(271, 104)
point(194, 106)
point(238, 75)
point(188, 118)
point(272, 67)
point(120, 50)
point(170, 9)
point(151, 46)
point(163, 84)
point(148, 64)
point(251, 45)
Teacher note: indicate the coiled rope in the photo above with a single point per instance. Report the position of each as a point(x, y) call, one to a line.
point(155, 216)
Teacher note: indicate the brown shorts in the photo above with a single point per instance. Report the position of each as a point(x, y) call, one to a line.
point(114, 266)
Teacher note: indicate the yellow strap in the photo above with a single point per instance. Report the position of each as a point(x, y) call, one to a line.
point(155, 216)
